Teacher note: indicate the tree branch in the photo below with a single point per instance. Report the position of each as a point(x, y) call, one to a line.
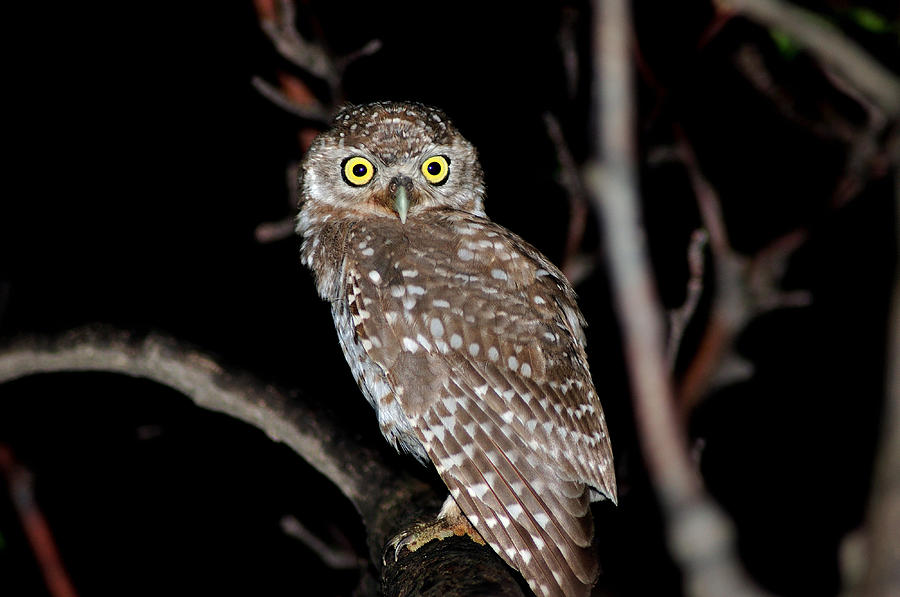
point(700, 536)
point(829, 45)
point(883, 517)
point(387, 500)
point(680, 318)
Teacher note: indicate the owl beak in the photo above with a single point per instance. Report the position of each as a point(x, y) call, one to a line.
point(400, 188)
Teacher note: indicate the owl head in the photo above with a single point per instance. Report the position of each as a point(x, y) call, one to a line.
point(392, 160)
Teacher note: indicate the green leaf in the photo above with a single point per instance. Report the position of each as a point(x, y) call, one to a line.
point(870, 20)
point(785, 43)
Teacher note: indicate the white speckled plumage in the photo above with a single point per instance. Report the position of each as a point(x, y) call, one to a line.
point(464, 338)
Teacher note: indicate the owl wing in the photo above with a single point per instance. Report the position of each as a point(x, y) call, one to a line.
point(480, 341)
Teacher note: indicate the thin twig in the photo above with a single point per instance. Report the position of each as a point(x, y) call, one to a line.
point(270, 232)
point(333, 557)
point(700, 535)
point(307, 55)
point(314, 113)
point(680, 318)
point(570, 179)
point(829, 45)
point(20, 482)
point(745, 288)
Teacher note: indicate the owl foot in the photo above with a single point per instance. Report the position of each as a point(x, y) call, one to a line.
point(450, 522)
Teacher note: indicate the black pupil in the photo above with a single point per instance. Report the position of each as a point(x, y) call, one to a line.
point(360, 170)
point(434, 168)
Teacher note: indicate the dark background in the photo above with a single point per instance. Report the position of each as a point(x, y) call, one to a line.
point(144, 160)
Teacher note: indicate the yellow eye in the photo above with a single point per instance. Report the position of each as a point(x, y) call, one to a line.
point(357, 170)
point(436, 169)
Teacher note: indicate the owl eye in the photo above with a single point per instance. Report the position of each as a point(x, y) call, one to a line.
point(357, 170)
point(436, 169)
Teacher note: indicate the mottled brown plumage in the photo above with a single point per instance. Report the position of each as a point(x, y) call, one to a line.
point(465, 339)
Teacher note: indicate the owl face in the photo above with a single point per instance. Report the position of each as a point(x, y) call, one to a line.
point(391, 160)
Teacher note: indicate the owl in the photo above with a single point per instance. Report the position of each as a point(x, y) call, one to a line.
point(464, 338)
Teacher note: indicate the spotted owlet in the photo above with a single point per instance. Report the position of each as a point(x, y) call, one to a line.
point(463, 337)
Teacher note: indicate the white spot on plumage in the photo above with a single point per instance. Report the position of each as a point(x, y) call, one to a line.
point(512, 363)
point(474, 348)
point(526, 370)
point(410, 345)
point(455, 340)
point(437, 328)
point(441, 303)
point(368, 252)
point(397, 291)
point(493, 353)
point(478, 490)
point(499, 274)
point(413, 289)
point(375, 277)
point(410, 273)
point(391, 317)
point(508, 416)
point(515, 510)
point(465, 254)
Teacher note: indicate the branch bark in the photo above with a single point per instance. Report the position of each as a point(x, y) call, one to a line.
point(387, 500)
point(882, 579)
point(700, 535)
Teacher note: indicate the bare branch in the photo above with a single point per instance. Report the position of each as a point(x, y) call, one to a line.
point(570, 179)
point(700, 536)
point(745, 288)
point(387, 500)
point(20, 483)
point(680, 318)
point(334, 557)
point(883, 518)
point(829, 45)
point(307, 55)
point(270, 232)
point(314, 113)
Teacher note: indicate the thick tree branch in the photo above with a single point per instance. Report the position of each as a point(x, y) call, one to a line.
point(387, 500)
point(700, 536)
point(882, 579)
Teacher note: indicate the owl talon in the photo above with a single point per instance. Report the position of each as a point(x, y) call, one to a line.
point(450, 522)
